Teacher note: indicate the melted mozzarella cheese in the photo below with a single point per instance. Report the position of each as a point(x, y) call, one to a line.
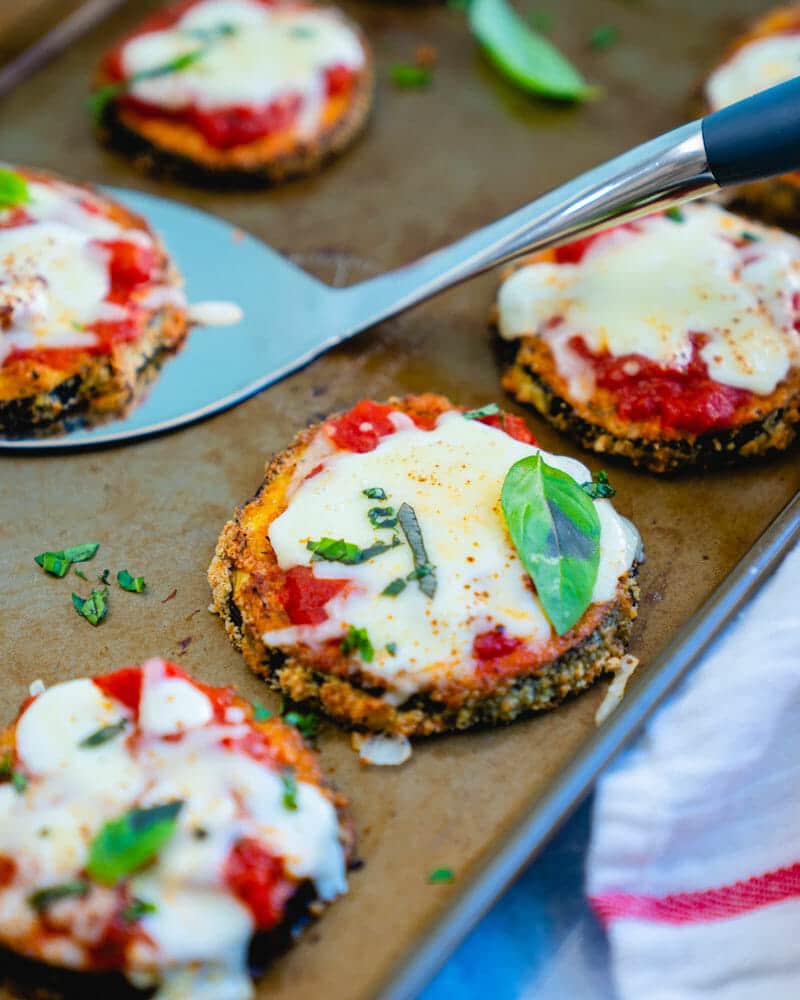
point(54, 278)
point(762, 63)
point(647, 292)
point(200, 930)
point(270, 52)
point(452, 477)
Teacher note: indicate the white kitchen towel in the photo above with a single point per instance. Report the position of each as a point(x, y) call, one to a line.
point(694, 863)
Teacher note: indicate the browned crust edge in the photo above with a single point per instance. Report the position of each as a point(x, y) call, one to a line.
point(356, 700)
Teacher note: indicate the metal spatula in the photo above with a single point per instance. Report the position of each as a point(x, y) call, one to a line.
point(291, 318)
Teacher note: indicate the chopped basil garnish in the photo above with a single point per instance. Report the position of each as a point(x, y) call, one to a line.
point(260, 712)
point(599, 488)
point(358, 640)
point(604, 36)
point(556, 531)
point(750, 237)
point(441, 875)
point(338, 550)
point(104, 735)
point(136, 909)
point(79, 573)
point(289, 797)
point(302, 31)
point(224, 30)
point(7, 773)
point(95, 607)
point(124, 845)
point(374, 493)
point(103, 578)
point(394, 588)
point(391, 648)
point(490, 410)
point(43, 898)
point(134, 584)
point(382, 517)
point(58, 563)
point(411, 529)
point(306, 722)
point(522, 55)
point(675, 214)
point(13, 189)
point(408, 75)
point(103, 96)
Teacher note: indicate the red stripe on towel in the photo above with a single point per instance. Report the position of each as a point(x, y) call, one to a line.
point(702, 906)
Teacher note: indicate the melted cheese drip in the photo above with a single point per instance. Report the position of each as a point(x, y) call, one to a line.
point(270, 53)
point(762, 63)
point(647, 292)
point(53, 279)
point(199, 933)
point(452, 477)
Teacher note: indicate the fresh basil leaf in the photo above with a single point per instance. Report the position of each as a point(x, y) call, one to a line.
point(124, 845)
point(382, 517)
point(556, 532)
point(490, 410)
point(306, 722)
point(95, 607)
point(441, 876)
point(104, 735)
point(136, 909)
point(289, 797)
point(411, 529)
point(394, 588)
point(524, 56)
point(338, 550)
point(374, 493)
point(53, 563)
point(7, 773)
point(599, 488)
point(133, 584)
point(42, 898)
point(604, 36)
point(391, 648)
point(58, 563)
point(100, 99)
point(358, 640)
point(409, 76)
point(260, 712)
point(13, 189)
point(675, 214)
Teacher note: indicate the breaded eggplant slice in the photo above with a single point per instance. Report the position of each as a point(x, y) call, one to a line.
point(765, 55)
point(90, 307)
point(361, 639)
point(670, 342)
point(213, 125)
point(159, 828)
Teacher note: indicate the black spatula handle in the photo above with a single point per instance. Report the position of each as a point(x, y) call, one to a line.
point(755, 138)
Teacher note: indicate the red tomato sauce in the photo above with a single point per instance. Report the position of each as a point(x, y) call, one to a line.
point(125, 686)
point(494, 644)
point(681, 399)
point(224, 128)
point(8, 869)
point(257, 878)
point(574, 252)
point(304, 595)
point(513, 425)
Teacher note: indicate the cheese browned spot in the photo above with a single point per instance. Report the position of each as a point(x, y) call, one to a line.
point(240, 850)
point(370, 639)
point(676, 329)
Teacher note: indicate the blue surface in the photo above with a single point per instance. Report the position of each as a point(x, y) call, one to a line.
point(540, 940)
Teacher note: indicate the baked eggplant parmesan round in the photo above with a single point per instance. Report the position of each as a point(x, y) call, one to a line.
point(158, 827)
point(90, 304)
point(410, 568)
point(236, 92)
point(766, 55)
point(671, 341)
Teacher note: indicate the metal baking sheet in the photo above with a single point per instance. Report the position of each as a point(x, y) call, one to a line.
point(435, 164)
